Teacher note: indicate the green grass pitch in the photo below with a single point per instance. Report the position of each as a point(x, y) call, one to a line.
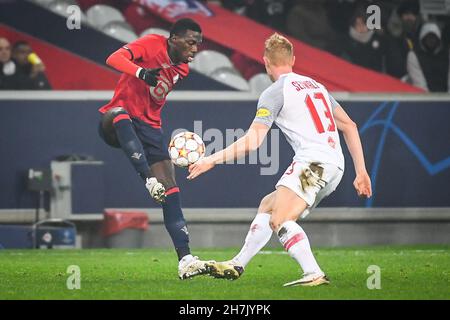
point(419, 272)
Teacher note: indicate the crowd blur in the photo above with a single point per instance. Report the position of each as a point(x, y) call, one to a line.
point(20, 67)
point(407, 44)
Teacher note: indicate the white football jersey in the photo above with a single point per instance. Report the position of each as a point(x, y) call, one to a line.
point(303, 110)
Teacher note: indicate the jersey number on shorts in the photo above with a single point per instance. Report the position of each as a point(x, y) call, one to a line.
point(315, 115)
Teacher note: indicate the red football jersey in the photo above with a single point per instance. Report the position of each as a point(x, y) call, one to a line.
point(134, 95)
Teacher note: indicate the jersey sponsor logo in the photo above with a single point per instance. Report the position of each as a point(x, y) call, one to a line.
point(161, 90)
point(263, 112)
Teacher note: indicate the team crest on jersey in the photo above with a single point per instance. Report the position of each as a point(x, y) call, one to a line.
point(263, 112)
point(165, 66)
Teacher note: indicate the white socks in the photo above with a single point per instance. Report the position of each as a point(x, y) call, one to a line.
point(291, 236)
point(257, 237)
point(185, 260)
point(296, 243)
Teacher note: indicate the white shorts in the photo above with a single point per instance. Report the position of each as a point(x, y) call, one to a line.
point(312, 195)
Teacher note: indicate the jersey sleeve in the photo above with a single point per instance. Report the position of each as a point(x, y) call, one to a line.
point(270, 103)
point(333, 101)
point(143, 48)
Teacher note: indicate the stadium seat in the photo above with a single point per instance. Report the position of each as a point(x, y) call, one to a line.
point(60, 7)
point(246, 66)
point(230, 77)
point(100, 15)
point(86, 4)
point(155, 31)
point(207, 61)
point(259, 83)
point(118, 24)
point(120, 30)
point(140, 18)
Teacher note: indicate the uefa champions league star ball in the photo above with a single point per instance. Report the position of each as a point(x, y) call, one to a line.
point(186, 148)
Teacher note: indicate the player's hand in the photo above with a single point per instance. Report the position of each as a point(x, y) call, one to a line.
point(150, 76)
point(363, 185)
point(201, 166)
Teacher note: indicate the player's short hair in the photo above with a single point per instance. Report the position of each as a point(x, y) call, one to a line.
point(278, 49)
point(180, 27)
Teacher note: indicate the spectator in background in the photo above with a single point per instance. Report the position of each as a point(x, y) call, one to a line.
point(30, 69)
point(271, 13)
point(237, 6)
point(428, 64)
point(7, 67)
point(308, 21)
point(398, 46)
point(446, 32)
point(364, 47)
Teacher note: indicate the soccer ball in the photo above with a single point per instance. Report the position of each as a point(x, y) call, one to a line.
point(186, 148)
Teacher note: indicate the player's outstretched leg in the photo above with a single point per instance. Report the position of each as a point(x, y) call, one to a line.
point(229, 270)
point(117, 130)
point(257, 237)
point(188, 266)
point(287, 207)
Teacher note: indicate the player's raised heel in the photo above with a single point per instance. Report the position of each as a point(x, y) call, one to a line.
point(309, 280)
point(156, 189)
point(224, 270)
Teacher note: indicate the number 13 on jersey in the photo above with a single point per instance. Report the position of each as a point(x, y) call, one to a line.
point(311, 103)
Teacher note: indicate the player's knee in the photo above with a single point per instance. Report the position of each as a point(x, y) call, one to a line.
point(164, 173)
point(108, 132)
point(280, 216)
point(110, 115)
point(114, 112)
point(166, 178)
point(265, 206)
point(275, 222)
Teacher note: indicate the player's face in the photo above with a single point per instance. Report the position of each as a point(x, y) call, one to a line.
point(186, 46)
point(21, 53)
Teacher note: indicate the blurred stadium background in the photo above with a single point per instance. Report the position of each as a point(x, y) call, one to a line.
point(61, 186)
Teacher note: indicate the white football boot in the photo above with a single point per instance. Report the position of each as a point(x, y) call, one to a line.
point(190, 266)
point(309, 280)
point(156, 189)
point(224, 270)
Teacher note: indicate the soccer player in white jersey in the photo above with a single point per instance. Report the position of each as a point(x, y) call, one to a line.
point(309, 117)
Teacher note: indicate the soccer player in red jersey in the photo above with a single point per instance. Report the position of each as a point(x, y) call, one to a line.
point(151, 66)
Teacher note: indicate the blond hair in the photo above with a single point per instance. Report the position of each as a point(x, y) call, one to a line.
point(278, 50)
